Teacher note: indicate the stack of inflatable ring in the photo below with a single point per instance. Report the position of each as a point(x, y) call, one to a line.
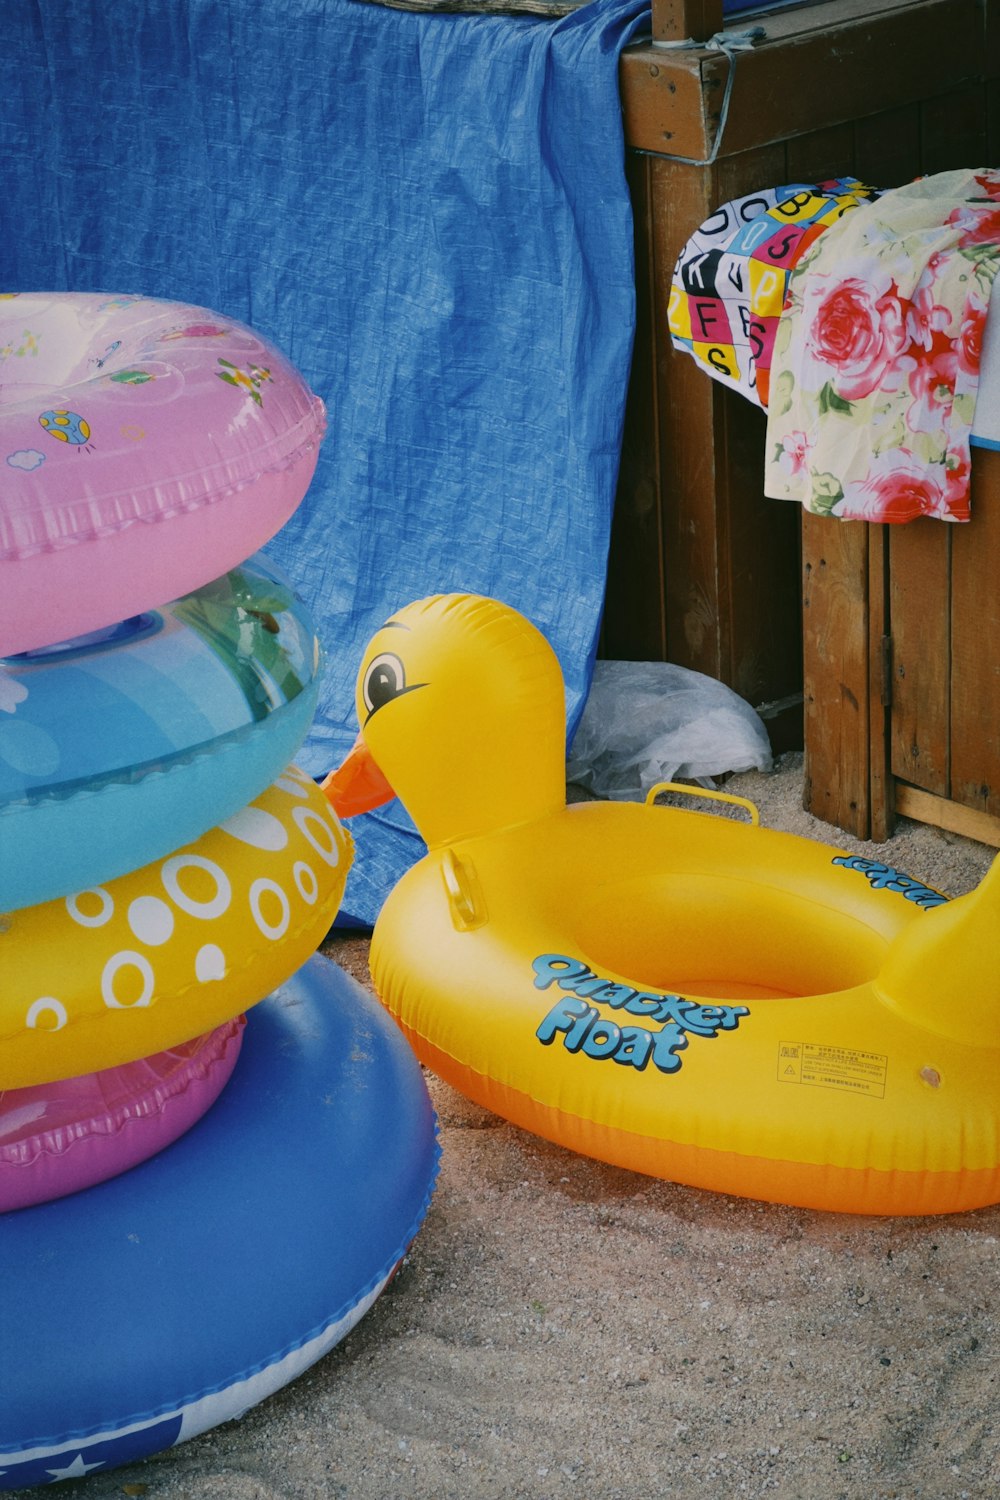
point(187, 1221)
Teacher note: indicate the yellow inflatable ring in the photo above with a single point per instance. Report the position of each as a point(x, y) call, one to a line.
point(156, 957)
point(664, 989)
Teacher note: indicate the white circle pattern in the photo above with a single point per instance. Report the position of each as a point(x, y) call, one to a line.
point(306, 882)
point(209, 963)
point(126, 960)
point(46, 1006)
point(205, 910)
point(293, 787)
point(151, 920)
point(325, 842)
point(258, 828)
point(258, 890)
point(86, 919)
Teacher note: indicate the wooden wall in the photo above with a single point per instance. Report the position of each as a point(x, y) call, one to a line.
point(704, 570)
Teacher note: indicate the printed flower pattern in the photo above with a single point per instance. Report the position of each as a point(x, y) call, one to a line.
point(898, 487)
point(876, 363)
point(854, 336)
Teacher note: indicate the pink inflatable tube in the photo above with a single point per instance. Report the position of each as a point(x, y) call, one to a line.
point(58, 1137)
point(145, 448)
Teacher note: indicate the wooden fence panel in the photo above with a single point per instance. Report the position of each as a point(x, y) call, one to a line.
point(704, 570)
point(835, 604)
point(975, 645)
point(919, 611)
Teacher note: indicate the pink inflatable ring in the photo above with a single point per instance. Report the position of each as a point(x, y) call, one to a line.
point(56, 1138)
point(146, 447)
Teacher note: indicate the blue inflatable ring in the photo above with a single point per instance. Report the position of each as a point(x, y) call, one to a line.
point(174, 1297)
point(120, 746)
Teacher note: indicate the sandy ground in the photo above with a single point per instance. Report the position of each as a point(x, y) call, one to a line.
point(562, 1328)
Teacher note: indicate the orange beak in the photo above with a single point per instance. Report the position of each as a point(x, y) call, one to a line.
point(357, 785)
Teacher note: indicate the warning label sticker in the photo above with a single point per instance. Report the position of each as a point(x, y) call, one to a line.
point(833, 1068)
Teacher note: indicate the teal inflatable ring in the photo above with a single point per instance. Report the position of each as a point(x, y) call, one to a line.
point(121, 745)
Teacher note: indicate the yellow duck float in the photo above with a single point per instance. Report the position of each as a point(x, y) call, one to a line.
point(686, 995)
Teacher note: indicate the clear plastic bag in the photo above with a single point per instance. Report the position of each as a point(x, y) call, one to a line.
point(646, 722)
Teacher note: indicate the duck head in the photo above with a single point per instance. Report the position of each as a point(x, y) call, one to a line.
point(462, 712)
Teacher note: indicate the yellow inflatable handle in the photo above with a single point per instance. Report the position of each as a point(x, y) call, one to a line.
point(699, 791)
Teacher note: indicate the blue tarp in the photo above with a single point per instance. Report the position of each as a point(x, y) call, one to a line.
point(428, 213)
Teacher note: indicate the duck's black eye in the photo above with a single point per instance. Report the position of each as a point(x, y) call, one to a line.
point(384, 680)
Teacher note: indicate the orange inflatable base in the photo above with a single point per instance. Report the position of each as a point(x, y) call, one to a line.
point(838, 1189)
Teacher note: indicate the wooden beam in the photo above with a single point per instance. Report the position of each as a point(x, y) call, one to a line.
point(919, 612)
point(975, 644)
point(682, 20)
point(818, 66)
point(881, 817)
point(836, 622)
point(634, 621)
point(940, 812)
point(663, 102)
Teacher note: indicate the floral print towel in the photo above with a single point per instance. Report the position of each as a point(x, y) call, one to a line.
point(875, 365)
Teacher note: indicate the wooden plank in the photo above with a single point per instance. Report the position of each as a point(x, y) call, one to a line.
point(676, 20)
point(738, 175)
point(764, 650)
point(818, 66)
point(881, 787)
point(783, 25)
point(862, 67)
point(975, 644)
point(681, 197)
point(953, 129)
point(762, 642)
point(764, 637)
point(821, 154)
point(835, 626)
point(991, 48)
point(696, 530)
point(664, 108)
point(940, 812)
point(887, 147)
point(634, 624)
point(919, 614)
point(733, 603)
